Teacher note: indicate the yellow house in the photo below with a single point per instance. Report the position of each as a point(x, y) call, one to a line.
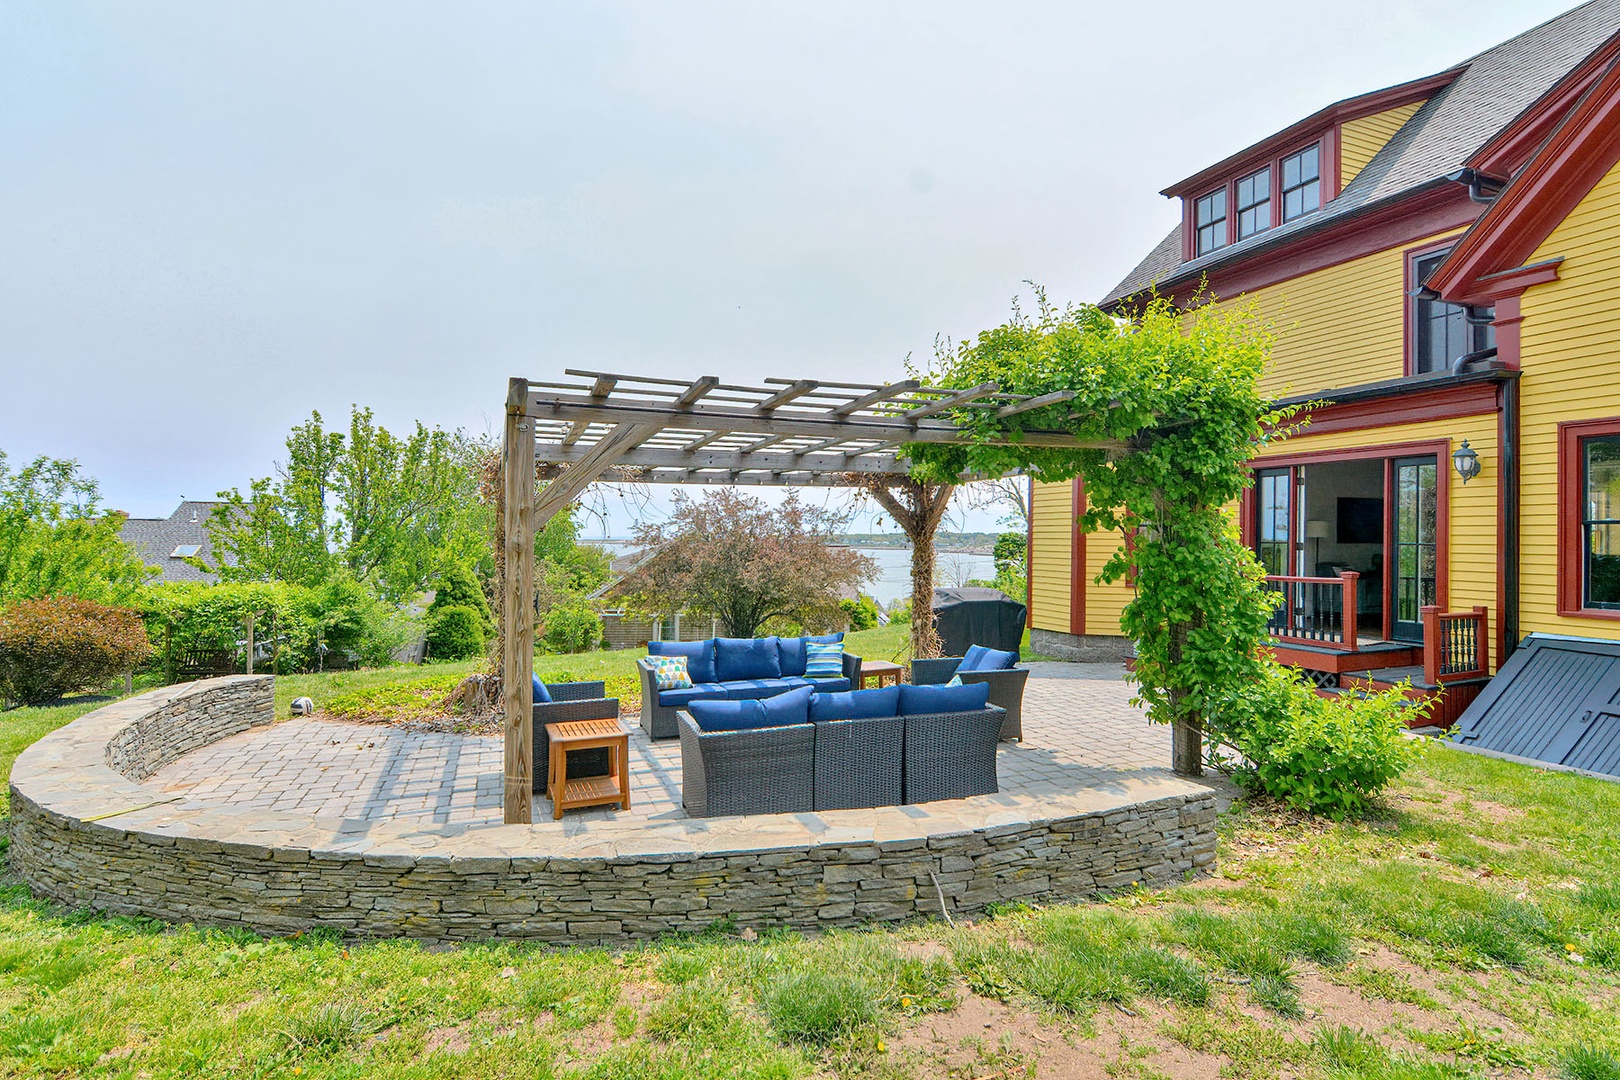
point(1442, 261)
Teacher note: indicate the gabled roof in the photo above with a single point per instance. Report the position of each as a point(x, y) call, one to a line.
point(155, 540)
point(1491, 91)
point(1488, 262)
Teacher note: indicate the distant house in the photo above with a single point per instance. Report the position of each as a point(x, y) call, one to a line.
point(167, 543)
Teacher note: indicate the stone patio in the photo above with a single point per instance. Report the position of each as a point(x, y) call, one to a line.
point(1080, 731)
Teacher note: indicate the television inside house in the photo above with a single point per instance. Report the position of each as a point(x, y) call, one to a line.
point(1361, 521)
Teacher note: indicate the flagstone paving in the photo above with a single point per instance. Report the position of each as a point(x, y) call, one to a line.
point(1080, 731)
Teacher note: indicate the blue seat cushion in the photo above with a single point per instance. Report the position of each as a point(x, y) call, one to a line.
point(923, 700)
point(979, 658)
point(699, 657)
point(856, 704)
point(746, 658)
point(753, 689)
point(791, 650)
point(541, 694)
point(792, 707)
point(745, 715)
point(686, 695)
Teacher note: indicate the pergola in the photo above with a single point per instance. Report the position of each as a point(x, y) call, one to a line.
point(630, 428)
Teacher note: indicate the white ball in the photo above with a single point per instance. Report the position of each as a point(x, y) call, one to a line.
point(303, 707)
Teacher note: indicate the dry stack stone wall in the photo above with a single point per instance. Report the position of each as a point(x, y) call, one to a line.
point(86, 832)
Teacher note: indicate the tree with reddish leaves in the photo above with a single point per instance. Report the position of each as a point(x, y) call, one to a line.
point(746, 561)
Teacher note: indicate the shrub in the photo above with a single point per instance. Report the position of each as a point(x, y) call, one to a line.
point(862, 612)
point(572, 627)
point(55, 646)
point(455, 633)
point(457, 586)
point(1322, 755)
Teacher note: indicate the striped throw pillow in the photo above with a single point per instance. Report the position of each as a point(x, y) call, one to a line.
point(823, 661)
point(671, 673)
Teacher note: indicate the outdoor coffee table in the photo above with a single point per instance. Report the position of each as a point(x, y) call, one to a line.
point(566, 794)
point(885, 672)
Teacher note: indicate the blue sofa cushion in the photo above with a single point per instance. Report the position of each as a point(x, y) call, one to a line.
point(922, 700)
point(745, 658)
point(746, 715)
point(541, 694)
point(792, 707)
point(979, 658)
point(791, 650)
point(753, 689)
point(700, 692)
point(699, 657)
point(829, 686)
point(856, 705)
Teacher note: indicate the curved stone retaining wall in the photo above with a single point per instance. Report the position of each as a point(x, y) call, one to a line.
point(86, 832)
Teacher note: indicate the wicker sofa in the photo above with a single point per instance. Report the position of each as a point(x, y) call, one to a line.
point(1006, 688)
point(839, 764)
point(660, 707)
point(571, 701)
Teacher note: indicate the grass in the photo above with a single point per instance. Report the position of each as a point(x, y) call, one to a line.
point(1471, 928)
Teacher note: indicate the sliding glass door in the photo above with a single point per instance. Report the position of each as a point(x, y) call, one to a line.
point(1416, 554)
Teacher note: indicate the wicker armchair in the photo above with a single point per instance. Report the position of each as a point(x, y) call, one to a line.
point(758, 771)
point(658, 721)
point(952, 755)
point(859, 763)
point(572, 701)
point(1006, 688)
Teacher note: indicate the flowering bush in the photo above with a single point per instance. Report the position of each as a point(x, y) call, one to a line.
point(57, 645)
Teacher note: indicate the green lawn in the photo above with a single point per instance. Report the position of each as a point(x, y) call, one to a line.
point(1470, 929)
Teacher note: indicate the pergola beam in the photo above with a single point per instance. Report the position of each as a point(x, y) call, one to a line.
point(881, 394)
point(955, 401)
point(793, 390)
point(649, 458)
point(1029, 404)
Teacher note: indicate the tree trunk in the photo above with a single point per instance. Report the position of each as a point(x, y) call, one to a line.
point(1187, 747)
point(917, 509)
point(1187, 730)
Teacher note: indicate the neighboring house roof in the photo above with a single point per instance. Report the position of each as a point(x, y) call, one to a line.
point(166, 542)
point(1487, 95)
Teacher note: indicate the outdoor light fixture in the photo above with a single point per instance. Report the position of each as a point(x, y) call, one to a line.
point(1466, 461)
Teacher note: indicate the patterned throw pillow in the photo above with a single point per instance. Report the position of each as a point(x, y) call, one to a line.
point(956, 680)
point(823, 661)
point(670, 671)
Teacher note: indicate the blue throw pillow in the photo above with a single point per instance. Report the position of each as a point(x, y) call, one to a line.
point(921, 700)
point(823, 661)
point(856, 704)
point(745, 658)
point(979, 658)
point(792, 707)
point(791, 650)
point(699, 657)
point(725, 715)
point(542, 696)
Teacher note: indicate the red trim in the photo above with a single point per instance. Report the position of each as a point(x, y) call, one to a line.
point(1510, 283)
point(1077, 560)
point(1570, 434)
point(1506, 323)
point(1339, 240)
point(1440, 448)
point(1409, 308)
point(1311, 127)
point(1506, 152)
point(1584, 147)
point(1029, 559)
point(1331, 159)
point(1435, 403)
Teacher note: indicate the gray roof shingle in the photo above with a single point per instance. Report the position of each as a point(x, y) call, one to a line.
point(155, 539)
point(1493, 89)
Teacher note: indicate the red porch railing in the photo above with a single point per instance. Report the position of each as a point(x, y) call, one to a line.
point(1318, 611)
point(1456, 644)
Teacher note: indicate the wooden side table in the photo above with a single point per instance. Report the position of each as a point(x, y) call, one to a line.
point(566, 794)
point(885, 672)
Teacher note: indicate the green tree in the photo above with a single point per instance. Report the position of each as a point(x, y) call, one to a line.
point(457, 586)
point(55, 541)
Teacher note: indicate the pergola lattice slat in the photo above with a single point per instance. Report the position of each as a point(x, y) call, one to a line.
point(611, 426)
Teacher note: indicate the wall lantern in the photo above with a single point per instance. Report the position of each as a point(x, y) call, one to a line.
point(1466, 461)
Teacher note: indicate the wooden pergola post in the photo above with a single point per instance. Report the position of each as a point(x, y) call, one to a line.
point(517, 608)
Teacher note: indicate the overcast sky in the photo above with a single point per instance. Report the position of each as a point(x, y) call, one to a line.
point(217, 217)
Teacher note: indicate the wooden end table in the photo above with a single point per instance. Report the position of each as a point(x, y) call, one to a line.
point(886, 672)
point(566, 794)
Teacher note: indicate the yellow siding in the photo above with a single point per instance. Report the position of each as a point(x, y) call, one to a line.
point(1471, 541)
point(1360, 139)
point(1052, 523)
point(1570, 353)
point(1104, 602)
point(1340, 326)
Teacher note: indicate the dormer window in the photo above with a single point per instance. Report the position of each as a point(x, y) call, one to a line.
point(1302, 182)
point(1211, 211)
point(1254, 203)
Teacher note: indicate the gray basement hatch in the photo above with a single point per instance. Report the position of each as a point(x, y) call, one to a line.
point(1556, 701)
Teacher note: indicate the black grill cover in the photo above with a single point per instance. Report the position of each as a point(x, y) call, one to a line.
point(975, 616)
